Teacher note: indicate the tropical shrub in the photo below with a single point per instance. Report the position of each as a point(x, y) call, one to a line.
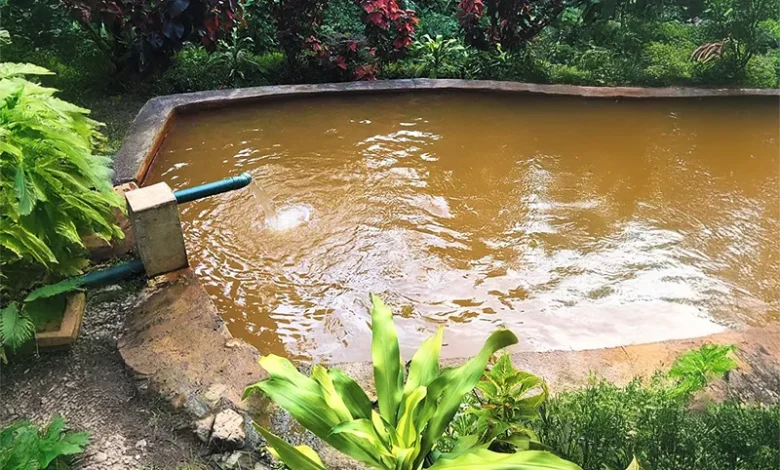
point(234, 56)
point(260, 26)
point(297, 27)
point(504, 403)
point(668, 64)
point(389, 28)
point(414, 409)
point(59, 188)
point(20, 320)
point(762, 72)
point(736, 24)
point(139, 37)
point(439, 56)
point(25, 447)
point(189, 71)
point(510, 23)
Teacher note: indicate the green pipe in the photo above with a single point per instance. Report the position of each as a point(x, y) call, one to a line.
point(113, 274)
point(210, 189)
point(119, 272)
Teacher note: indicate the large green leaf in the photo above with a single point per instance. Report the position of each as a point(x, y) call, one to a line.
point(353, 396)
point(331, 395)
point(425, 363)
point(288, 454)
point(365, 440)
point(56, 443)
point(407, 430)
point(487, 460)
point(304, 398)
point(445, 393)
point(386, 355)
point(307, 407)
point(12, 69)
point(18, 237)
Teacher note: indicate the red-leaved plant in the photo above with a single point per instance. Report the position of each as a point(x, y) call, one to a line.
point(511, 23)
point(389, 28)
point(139, 36)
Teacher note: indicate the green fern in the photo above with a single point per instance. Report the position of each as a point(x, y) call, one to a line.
point(17, 324)
point(15, 327)
point(55, 188)
point(24, 447)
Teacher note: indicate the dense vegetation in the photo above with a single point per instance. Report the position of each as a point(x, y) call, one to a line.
point(55, 190)
point(497, 417)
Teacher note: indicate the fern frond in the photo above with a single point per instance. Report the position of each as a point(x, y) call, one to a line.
point(15, 328)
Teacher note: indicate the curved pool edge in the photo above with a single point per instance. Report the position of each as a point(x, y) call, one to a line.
point(150, 125)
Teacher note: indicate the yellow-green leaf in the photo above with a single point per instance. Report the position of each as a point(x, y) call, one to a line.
point(386, 355)
point(353, 396)
point(291, 456)
point(425, 363)
point(488, 460)
point(332, 398)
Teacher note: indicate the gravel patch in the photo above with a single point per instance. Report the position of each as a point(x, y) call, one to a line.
point(91, 387)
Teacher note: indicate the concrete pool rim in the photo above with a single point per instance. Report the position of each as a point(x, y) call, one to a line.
point(150, 126)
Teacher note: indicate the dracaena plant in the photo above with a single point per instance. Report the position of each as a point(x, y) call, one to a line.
point(414, 409)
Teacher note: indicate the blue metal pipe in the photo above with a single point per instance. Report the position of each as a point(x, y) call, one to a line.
point(210, 189)
point(113, 274)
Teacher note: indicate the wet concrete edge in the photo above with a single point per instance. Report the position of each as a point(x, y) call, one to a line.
point(150, 126)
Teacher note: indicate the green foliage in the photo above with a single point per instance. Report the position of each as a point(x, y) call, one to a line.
point(342, 17)
point(194, 69)
point(24, 447)
point(438, 56)
point(18, 320)
point(58, 190)
point(506, 401)
point(568, 74)
point(695, 369)
point(436, 23)
point(762, 71)
point(737, 22)
point(15, 327)
point(414, 409)
point(234, 56)
point(668, 64)
point(602, 426)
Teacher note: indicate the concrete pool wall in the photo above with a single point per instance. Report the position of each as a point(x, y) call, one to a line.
point(177, 341)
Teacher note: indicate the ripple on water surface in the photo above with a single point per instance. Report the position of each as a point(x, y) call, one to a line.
point(576, 223)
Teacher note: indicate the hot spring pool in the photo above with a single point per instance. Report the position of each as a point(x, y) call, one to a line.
point(576, 223)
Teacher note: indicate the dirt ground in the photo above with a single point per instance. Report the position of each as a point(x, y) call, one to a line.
point(91, 387)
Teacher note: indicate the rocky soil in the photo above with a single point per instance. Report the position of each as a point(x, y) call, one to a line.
point(91, 387)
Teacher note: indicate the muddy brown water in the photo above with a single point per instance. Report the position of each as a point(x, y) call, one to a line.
point(576, 223)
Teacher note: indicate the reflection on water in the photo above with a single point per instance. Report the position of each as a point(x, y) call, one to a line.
point(576, 223)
